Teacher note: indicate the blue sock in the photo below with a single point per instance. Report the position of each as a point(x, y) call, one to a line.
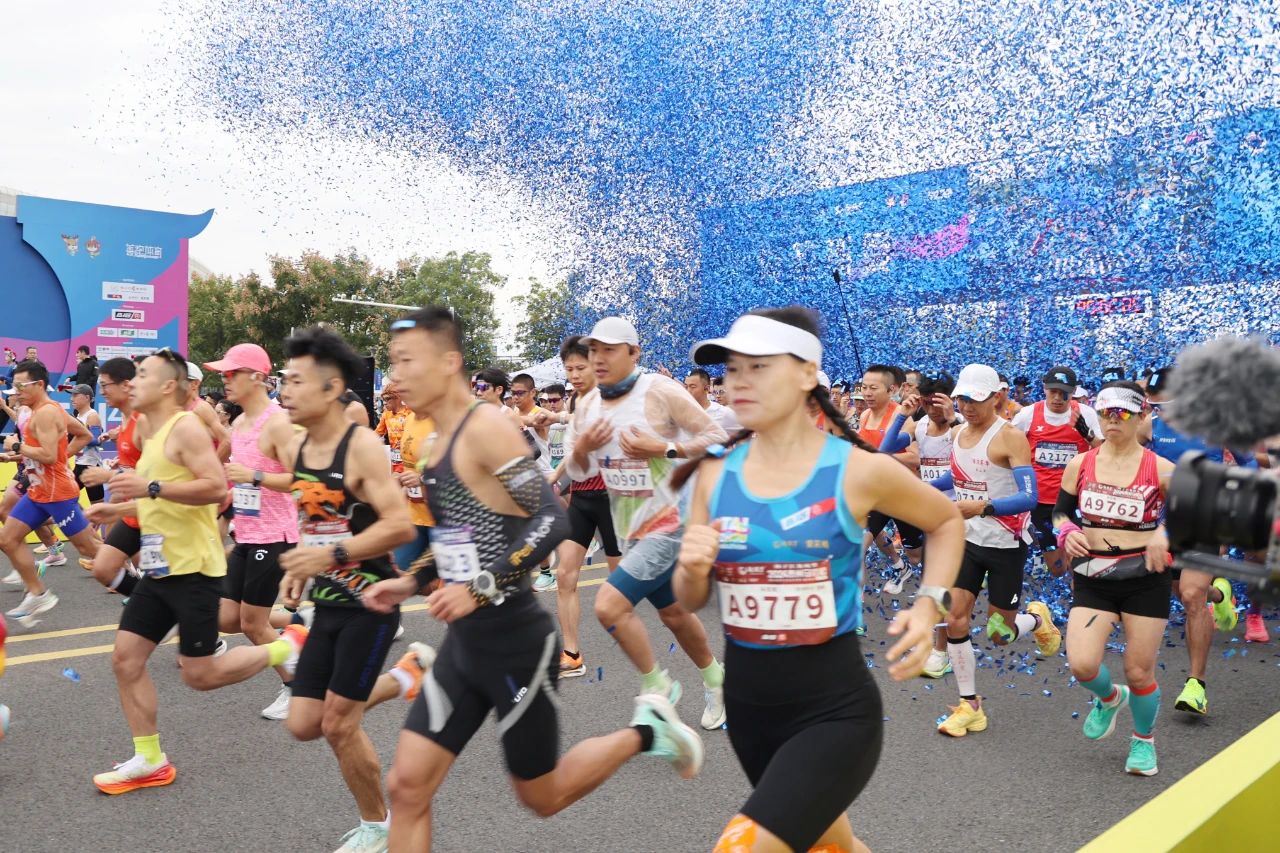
point(1144, 706)
point(1100, 686)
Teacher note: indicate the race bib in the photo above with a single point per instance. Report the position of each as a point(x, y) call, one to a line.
point(778, 604)
point(457, 560)
point(247, 500)
point(628, 477)
point(396, 458)
point(1051, 454)
point(1124, 506)
point(971, 490)
point(151, 559)
point(557, 453)
point(932, 469)
point(415, 493)
point(326, 534)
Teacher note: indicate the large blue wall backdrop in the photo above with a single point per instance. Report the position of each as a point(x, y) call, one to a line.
point(1021, 180)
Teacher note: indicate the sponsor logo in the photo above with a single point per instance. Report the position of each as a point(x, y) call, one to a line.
point(734, 531)
point(135, 250)
point(128, 315)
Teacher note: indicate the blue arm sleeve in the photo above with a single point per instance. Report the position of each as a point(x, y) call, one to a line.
point(95, 433)
point(1025, 499)
point(1245, 459)
point(894, 441)
point(944, 483)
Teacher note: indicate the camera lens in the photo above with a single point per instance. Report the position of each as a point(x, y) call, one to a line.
point(1215, 504)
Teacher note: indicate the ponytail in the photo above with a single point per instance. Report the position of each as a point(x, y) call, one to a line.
point(685, 471)
point(822, 397)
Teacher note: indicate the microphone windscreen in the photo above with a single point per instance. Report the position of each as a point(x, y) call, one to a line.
point(1227, 392)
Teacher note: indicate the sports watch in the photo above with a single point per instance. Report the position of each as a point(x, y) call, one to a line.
point(340, 555)
point(941, 596)
point(153, 489)
point(988, 510)
point(485, 585)
point(257, 478)
point(671, 450)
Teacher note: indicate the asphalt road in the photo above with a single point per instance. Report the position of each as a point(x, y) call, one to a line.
point(1030, 782)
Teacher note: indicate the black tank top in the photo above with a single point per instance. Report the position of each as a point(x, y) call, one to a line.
point(328, 513)
point(463, 522)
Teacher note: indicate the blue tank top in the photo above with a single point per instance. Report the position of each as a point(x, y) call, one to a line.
point(790, 568)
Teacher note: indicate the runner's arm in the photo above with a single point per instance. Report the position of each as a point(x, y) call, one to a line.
point(80, 436)
point(693, 582)
point(190, 448)
point(380, 489)
point(1016, 452)
point(48, 428)
point(692, 419)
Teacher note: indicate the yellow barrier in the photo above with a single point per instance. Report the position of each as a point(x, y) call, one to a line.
point(7, 470)
point(1229, 803)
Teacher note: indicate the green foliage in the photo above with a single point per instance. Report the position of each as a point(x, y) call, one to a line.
point(547, 320)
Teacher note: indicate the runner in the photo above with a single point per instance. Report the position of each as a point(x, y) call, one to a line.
point(498, 519)
point(417, 436)
point(91, 456)
point(1119, 552)
point(1005, 407)
point(1058, 429)
point(698, 384)
point(266, 520)
point(881, 385)
point(351, 513)
point(781, 515)
point(995, 490)
point(391, 424)
point(174, 493)
point(52, 495)
point(201, 409)
point(630, 429)
point(49, 543)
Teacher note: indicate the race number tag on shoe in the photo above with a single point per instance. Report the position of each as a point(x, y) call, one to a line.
point(932, 469)
point(457, 560)
point(247, 500)
point(1051, 454)
point(783, 604)
point(151, 560)
point(627, 477)
point(326, 534)
point(1112, 503)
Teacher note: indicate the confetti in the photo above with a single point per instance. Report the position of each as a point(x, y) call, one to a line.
point(71, 675)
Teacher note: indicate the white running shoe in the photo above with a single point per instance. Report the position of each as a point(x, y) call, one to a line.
point(34, 605)
point(894, 587)
point(544, 582)
point(714, 715)
point(399, 632)
point(41, 549)
point(57, 558)
point(672, 739)
point(365, 838)
point(4, 720)
point(13, 578)
point(220, 649)
point(938, 664)
point(279, 709)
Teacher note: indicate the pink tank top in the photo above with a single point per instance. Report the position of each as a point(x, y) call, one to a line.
point(277, 516)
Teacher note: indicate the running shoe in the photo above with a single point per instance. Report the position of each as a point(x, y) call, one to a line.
point(1192, 698)
point(365, 838)
point(572, 667)
point(303, 616)
point(860, 631)
point(1048, 637)
point(1224, 611)
point(41, 549)
point(1142, 757)
point(33, 605)
point(399, 633)
point(999, 631)
point(4, 720)
point(297, 636)
point(938, 664)
point(57, 558)
point(1255, 629)
point(544, 582)
point(134, 774)
point(13, 578)
point(279, 707)
point(415, 663)
point(86, 564)
point(894, 587)
point(1101, 722)
point(713, 715)
point(964, 719)
point(672, 739)
point(220, 648)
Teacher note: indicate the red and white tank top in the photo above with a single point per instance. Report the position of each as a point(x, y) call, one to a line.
point(977, 478)
point(1052, 447)
point(263, 516)
point(1137, 506)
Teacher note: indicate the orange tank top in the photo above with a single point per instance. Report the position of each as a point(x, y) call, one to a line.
point(50, 483)
point(874, 435)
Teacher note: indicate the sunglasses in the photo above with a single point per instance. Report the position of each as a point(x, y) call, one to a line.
point(409, 323)
point(553, 400)
point(519, 393)
point(231, 374)
point(1116, 414)
point(480, 387)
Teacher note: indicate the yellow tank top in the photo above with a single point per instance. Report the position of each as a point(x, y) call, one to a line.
point(190, 543)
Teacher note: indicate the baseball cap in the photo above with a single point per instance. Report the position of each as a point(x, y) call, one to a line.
point(824, 380)
point(1081, 393)
point(194, 374)
point(1120, 398)
point(86, 390)
point(614, 330)
point(242, 357)
point(1159, 379)
point(1112, 374)
point(1061, 378)
point(752, 334)
point(977, 382)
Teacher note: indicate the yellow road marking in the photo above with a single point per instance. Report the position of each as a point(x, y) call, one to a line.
point(85, 651)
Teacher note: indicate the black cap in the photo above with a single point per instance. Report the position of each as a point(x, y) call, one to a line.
point(1062, 378)
point(1021, 380)
point(1158, 380)
point(1114, 373)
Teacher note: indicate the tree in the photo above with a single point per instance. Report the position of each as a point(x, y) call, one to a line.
point(466, 283)
point(212, 327)
point(547, 320)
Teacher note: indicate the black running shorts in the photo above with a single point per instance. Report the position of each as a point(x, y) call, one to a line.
point(124, 538)
point(1002, 567)
point(95, 493)
point(588, 512)
point(1145, 596)
point(345, 652)
point(1042, 527)
point(188, 601)
point(912, 537)
point(254, 573)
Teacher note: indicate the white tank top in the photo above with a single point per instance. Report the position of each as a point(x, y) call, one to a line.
point(935, 453)
point(977, 479)
point(91, 456)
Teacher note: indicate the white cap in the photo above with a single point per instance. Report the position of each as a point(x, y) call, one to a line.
point(1081, 393)
point(1120, 398)
point(977, 382)
point(614, 330)
point(752, 334)
point(824, 380)
point(194, 373)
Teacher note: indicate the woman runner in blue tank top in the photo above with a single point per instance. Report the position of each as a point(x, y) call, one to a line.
point(780, 521)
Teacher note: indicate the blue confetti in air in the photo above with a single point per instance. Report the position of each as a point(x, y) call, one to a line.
point(71, 675)
point(599, 673)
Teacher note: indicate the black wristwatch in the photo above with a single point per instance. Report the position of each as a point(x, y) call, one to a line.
point(671, 450)
point(257, 478)
point(153, 489)
point(340, 555)
point(988, 510)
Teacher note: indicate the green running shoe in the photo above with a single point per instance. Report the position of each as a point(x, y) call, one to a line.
point(1101, 722)
point(1192, 698)
point(1224, 611)
point(1142, 757)
point(672, 739)
point(999, 631)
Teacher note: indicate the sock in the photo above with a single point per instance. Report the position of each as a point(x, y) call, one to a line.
point(385, 823)
point(124, 582)
point(56, 548)
point(1144, 702)
point(278, 652)
point(404, 679)
point(149, 748)
point(965, 666)
point(1025, 622)
point(655, 681)
point(713, 674)
point(1101, 685)
point(646, 737)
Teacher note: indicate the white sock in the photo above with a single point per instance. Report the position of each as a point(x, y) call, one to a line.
point(897, 564)
point(385, 823)
point(1025, 623)
point(965, 666)
point(404, 679)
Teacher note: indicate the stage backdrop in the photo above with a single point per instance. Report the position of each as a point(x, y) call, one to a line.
point(112, 278)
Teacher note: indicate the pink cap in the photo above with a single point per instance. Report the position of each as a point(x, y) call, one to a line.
point(242, 357)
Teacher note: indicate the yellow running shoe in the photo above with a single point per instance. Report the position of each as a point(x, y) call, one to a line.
point(1048, 637)
point(134, 774)
point(1224, 611)
point(964, 719)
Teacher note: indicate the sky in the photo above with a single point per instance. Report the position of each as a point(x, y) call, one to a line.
point(84, 118)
